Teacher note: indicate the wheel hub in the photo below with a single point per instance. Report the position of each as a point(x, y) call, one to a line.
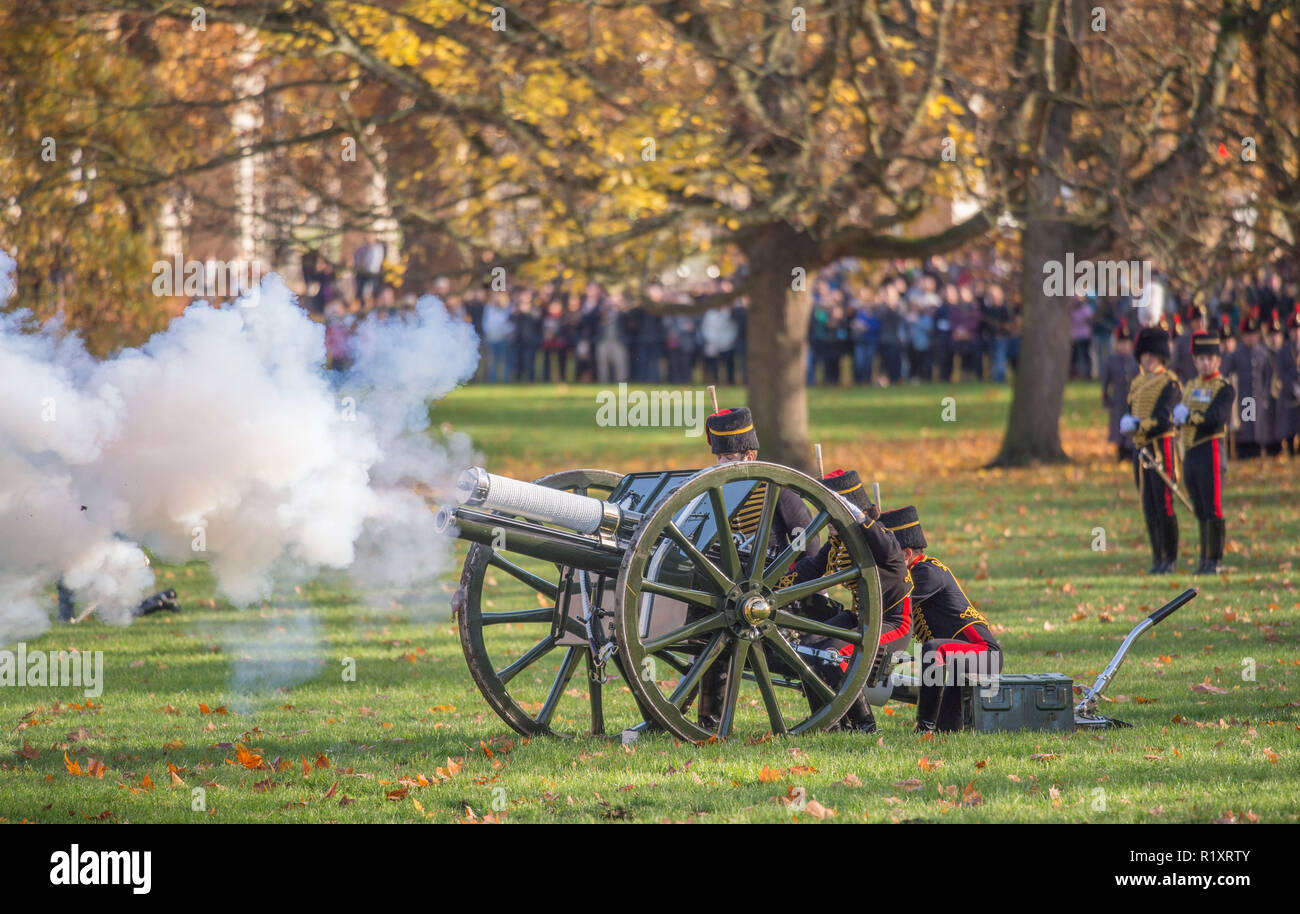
point(757, 608)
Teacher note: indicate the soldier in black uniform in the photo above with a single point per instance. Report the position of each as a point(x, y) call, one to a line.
point(732, 437)
point(955, 637)
point(1117, 373)
point(1152, 397)
point(895, 591)
point(1183, 364)
point(1252, 366)
point(1288, 383)
point(1204, 415)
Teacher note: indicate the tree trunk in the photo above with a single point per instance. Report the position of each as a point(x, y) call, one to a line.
point(777, 344)
point(1034, 427)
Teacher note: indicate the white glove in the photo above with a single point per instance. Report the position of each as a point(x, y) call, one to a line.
point(1128, 425)
point(1181, 412)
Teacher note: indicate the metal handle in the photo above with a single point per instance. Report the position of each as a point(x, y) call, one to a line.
point(1172, 606)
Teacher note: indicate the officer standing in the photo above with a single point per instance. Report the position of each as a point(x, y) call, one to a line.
point(1152, 397)
point(1117, 374)
point(1204, 415)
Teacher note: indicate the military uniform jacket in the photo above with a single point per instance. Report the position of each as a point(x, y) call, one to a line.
point(1116, 375)
point(791, 515)
point(891, 566)
point(1286, 381)
point(1209, 404)
point(940, 608)
point(1252, 367)
point(1151, 400)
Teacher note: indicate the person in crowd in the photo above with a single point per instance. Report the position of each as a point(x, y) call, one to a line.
point(611, 340)
point(864, 333)
point(966, 334)
point(368, 268)
point(893, 332)
point(920, 325)
point(338, 336)
point(996, 319)
point(1117, 373)
point(646, 331)
point(740, 317)
point(718, 336)
point(1105, 319)
point(528, 336)
point(555, 346)
point(1081, 338)
point(1250, 371)
point(941, 340)
point(1288, 384)
point(1184, 365)
point(498, 336)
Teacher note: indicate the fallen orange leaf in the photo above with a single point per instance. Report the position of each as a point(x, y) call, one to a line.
point(73, 768)
point(248, 759)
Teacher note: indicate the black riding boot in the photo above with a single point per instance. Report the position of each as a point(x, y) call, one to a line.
point(950, 716)
point(1204, 526)
point(1157, 547)
point(859, 716)
point(927, 708)
point(1169, 536)
point(1217, 530)
point(713, 687)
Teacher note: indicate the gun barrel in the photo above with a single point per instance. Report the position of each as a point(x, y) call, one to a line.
point(529, 539)
point(477, 488)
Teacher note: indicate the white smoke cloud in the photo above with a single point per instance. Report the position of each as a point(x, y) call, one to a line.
point(226, 431)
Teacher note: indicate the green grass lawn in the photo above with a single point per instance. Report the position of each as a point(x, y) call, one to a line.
point(1213, 693)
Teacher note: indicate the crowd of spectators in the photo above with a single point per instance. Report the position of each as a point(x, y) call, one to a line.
point(939, 320)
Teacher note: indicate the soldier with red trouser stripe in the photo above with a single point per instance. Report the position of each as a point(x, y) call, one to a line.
point(1152, 396)
point(895, 591)
point(956, 643)
point(1204, 415)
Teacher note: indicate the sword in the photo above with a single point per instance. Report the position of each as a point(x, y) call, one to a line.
point(1149, 462)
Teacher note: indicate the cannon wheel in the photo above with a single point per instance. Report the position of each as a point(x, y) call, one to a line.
point(471, 619)
point(741, 611)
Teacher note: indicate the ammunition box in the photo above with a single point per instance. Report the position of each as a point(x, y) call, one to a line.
point(1024, 701)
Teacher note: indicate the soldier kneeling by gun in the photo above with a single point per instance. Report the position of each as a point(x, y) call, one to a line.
point(954, 635)
point(895, 590)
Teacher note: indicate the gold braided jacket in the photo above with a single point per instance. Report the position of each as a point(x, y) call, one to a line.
point(1197, 397)
point(1143, 394)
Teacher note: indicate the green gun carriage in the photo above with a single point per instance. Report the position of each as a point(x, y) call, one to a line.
point(644, 582)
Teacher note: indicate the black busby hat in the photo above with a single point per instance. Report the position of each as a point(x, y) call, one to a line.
point(1122, 332)
point(1225, 327)
point(1250, 323)
point(848, 484)
point(1153, 340)
point(731, 431)
point(1193, 313)
point(1294, 320)
point(905, 524)
point(1205, 343)
point(1274, 323)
